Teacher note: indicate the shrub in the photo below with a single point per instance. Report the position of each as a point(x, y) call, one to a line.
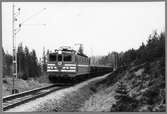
point(124, 102)
point(151, 96)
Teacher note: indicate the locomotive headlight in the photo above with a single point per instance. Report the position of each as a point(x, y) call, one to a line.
point(73, 68)
point(67, 68)
point(51, 67)
point(50, 64)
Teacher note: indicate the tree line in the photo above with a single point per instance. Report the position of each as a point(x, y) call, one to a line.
point(153, 49)
point(27, 63)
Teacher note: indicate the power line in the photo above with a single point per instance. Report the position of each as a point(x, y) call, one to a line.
point(14, 32)
point(37, 13)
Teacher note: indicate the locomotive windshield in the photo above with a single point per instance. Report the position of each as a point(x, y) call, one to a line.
point(59, 57)
point(67, 57)
point(52, 57)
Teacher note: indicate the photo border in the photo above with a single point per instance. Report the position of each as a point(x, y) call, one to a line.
point(81, 0)
point(1, 57)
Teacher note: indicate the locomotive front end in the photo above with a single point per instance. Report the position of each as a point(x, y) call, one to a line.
point(61, 66)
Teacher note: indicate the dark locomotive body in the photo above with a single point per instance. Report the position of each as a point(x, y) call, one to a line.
point(68, 65)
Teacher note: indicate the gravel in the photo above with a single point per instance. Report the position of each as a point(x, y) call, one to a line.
point(66, 100)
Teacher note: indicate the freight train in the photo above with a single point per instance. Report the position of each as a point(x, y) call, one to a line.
point(66, 64)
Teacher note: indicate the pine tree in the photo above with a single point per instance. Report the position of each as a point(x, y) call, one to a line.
point(34, 64)
point(20, 60)
point(26, 73)
point(122, 92)
point(81, 49)
point(7, 63)
point(124, 102)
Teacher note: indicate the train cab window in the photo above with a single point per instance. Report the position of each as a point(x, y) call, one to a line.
point(59, 57)
point(67, 58)
point(52, 57)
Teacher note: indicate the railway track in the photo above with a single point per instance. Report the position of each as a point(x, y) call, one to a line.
point(12, 101)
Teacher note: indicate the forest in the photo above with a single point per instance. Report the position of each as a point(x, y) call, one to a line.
point(28, 65)
point(154, 49)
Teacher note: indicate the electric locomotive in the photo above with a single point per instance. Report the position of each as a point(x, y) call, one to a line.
point(65, 64)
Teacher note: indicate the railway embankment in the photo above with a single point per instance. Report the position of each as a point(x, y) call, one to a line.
point(139, 88)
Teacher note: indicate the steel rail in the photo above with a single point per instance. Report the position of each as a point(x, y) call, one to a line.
point(22, 94)
point(36, 93)
point(31, 98)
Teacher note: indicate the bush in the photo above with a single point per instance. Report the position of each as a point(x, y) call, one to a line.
point(124, 102)
point(151, 96)
point(24, 76)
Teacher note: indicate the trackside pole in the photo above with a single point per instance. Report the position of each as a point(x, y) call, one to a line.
point(14, 49)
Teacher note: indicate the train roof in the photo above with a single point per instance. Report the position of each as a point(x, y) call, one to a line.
point(81, 54)
point(68, 50)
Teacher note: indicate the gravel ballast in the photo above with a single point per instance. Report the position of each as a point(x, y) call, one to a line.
point(66, 100)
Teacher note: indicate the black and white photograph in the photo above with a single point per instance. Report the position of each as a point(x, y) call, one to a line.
point(83, 57)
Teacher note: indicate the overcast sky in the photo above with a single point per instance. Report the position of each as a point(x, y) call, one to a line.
point(100, 27)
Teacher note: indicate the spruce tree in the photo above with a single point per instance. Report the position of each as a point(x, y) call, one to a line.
point(122, 93)
point(124, 102)
point(20, 61)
